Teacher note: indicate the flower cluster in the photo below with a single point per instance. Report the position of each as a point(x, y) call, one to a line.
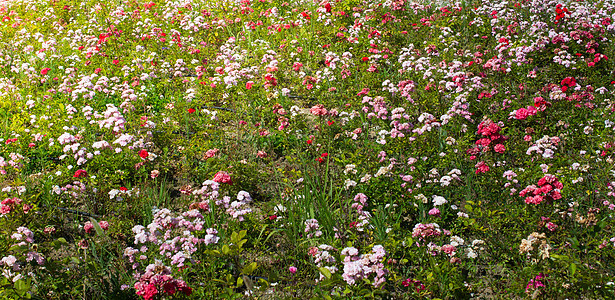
point(549, 189)
point(358, 267)
point(312, 228)
point(158, 279)
point(12, 264)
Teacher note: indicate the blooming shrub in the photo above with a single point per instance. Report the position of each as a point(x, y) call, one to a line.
point(271, 149)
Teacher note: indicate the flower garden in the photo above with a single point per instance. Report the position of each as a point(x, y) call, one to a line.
point(335, 149)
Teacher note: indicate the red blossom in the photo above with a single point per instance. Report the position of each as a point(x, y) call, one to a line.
point(80, 173)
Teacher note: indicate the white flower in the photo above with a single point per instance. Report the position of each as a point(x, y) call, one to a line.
point(439, 200)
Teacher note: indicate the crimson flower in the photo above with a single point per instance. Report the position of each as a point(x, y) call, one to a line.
point(143, 153)
point(80, 173)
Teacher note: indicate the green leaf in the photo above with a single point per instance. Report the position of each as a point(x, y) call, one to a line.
point(325, 272)
point(226, 250)
point(20, 248)
point(22, 285)
point(99, 230)
point(249, 268)
point(573, 269)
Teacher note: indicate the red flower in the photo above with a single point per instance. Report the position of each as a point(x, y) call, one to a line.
point(324, 155)
point(123, 189)
point(365, 58)
point(80, 173)
point(44, 71)
point(330, 123)
point(186, 290)
point(115, 62)
point(328, 7)
point(273, 217)
point(170, 288)
point(191, 110)
point(309, 142)
point(143, 153)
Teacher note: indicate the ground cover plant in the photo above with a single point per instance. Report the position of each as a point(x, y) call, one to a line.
point(336, 149)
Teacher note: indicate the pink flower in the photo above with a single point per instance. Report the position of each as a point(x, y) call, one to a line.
point(154, 174)
point(104, 225)
point(292, 269)
point(223, 177)
point(83, 244)
point(211, 153)
point(521, 114)
point(434, 212)
point(5, 209)
point(499, 148)
point(551, 226)
point(249, 84)
point(318, 110)
point(261, 154)
point(448, 249)
point(88, 226)
point(481, 167)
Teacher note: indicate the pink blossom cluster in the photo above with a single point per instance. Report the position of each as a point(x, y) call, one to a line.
point(535, 283)
point(75, 190)
point(491, 137)
point(545, 146)
point(312, 228)
point(11, 264)
point(424, 231)
point(158, 279)
point(89, 226)
point(10, 204)
point(15, 162)
point(360, 201)
point(174, 238)
point(318, 110)
point(549, 189)
point(358, 267)
point(323, 258)
point(523, 113)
